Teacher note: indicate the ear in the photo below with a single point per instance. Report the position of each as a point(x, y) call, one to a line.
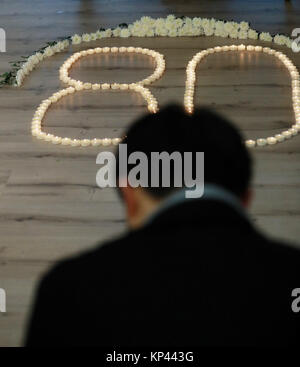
point(130, 200)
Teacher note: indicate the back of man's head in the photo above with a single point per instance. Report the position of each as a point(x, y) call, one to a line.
point(227, 162)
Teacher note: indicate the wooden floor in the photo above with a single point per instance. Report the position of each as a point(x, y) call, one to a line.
point(50, 205)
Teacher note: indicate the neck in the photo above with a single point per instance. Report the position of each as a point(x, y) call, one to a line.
point(211, 192)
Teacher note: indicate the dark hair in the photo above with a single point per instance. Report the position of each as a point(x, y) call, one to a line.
point(226, 159)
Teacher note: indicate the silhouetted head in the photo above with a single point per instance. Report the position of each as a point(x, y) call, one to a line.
point(227, 162)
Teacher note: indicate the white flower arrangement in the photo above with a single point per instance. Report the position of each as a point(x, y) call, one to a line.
point(116, 32)
point(170, 26)
point(125, 33)
point(234, 34)
point(280, 39)
point(208, 30)
point(86, 37)
point(94, 36)
point(252, 34)
point(244, 26)
point(76, 39)
point(243, 34)
point(265, 36)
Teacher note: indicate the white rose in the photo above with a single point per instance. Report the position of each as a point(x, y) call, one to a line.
point(212, 22)
point(145, 28)
point(205, 22)
point(66, 43)
point(171, 26)
point(160, 22)
point(125, 33)
point(136, 28)
point(196, 22)
point(178, 22)
point(218, 32)
point(161, 31)
point(173, 33)
point(198, 31)
point(280, 39)
point(235, 25)
point(29, 67)
point(188, 20)
point(150, 33)
point(25, 69)
point(86, 37)
point(171, 17)
point(146, 20)
point(40, 56)
point(234, 33)
point(56, 48)
point(137, 24)
point(208, 30)
point(63, 44)
point(191, 30)
point(141, 33)
point(228, 26)
point(181, 32)
point(152, 22)
point(76, 39)
point(136, 32)
point(100, 34)
point(94, 36)
point(224, 34)
point(35, 59)
point(187, 30)
point(48, 51)
point(219, 28)
point(265, 36)
point(243, 35)
point(20, 74)
point(219, 25)
point(252, 34)
point(289, 42)
point(30, 59)
point(116, 32)
point(107, 33)
point(244, 26)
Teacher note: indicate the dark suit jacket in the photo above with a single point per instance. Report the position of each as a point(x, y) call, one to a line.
point(199, 274)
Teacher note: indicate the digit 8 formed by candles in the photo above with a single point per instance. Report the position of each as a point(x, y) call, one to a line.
point(77, 85)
